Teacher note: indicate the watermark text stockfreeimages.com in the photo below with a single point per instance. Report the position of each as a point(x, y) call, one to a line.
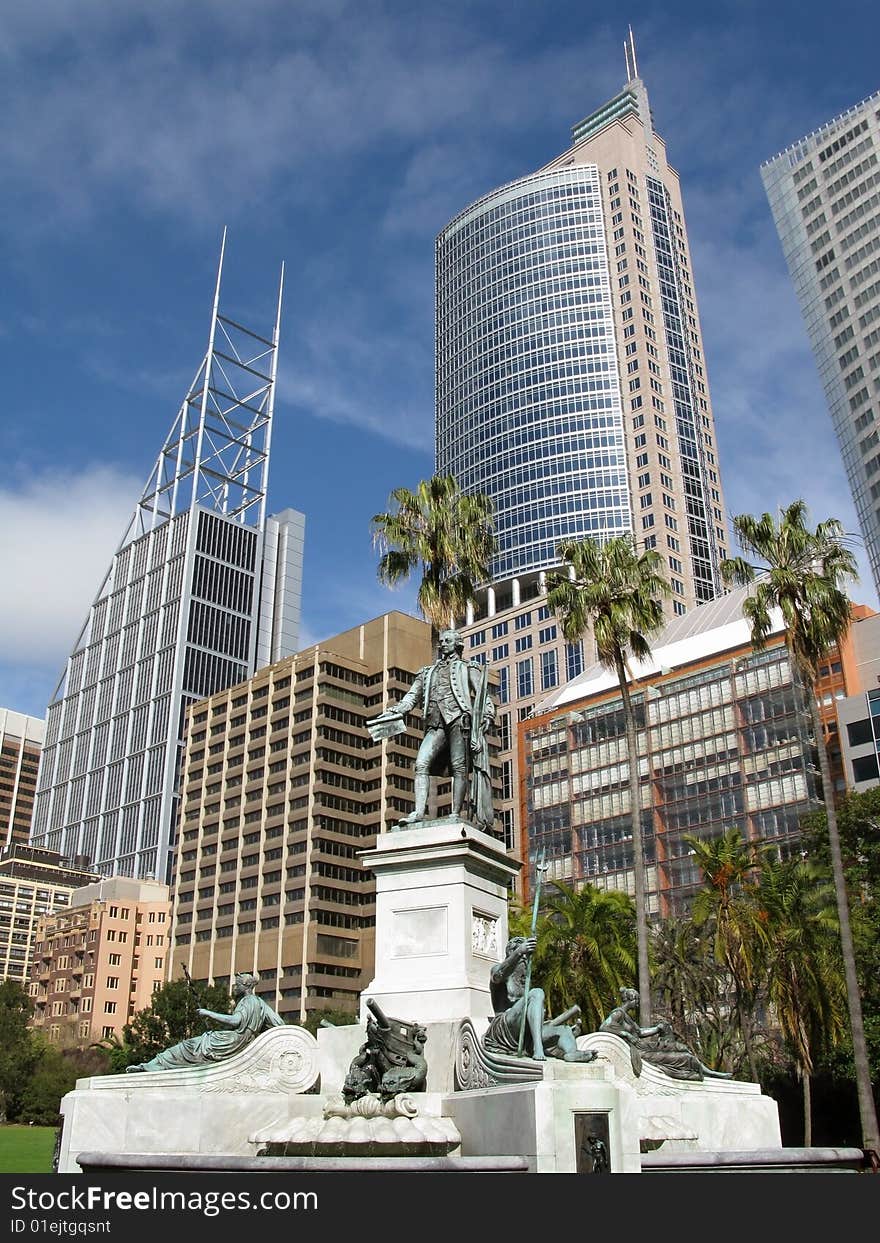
point(98, 1199)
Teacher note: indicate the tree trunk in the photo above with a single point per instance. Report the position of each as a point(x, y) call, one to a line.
point(808, 1107)
point(867, 1108)
point(632, 748)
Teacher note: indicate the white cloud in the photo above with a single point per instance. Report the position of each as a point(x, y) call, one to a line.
point(343, 370)
point(60, 531)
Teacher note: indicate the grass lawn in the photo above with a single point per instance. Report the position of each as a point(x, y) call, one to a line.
point(26, 1149)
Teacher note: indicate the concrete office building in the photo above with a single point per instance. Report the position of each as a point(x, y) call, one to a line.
point(724, 742)
point(824, 192)
point(859, 713)
point(99, 961)
point(203, 589)
point(33, 884)
point(572, 386)
point(21, 739)
point(282, 788)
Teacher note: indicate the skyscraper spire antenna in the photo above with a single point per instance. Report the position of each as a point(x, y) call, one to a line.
point(629, 74)
point(632, 48)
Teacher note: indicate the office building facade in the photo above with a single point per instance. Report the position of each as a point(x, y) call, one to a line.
point(21, 740)
point(725, 741)
point(202, 589)
point(99, 961)
point(33, 884)
point(824, 193)
point(572, 388)
point(282, 788)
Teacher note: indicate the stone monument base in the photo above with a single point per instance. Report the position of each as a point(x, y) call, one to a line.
point(196, 1111)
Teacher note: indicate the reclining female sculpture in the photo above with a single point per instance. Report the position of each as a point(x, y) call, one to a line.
point(658, 1045)
point(250, 1016)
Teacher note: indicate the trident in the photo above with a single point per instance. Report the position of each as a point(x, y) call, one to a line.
point(540, 868)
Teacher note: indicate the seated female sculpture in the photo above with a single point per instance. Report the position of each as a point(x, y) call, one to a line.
point(250, 1016)
point(659, 1045)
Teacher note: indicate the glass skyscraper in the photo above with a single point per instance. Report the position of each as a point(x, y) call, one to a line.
point(203, 588)
point(571, 389)
point(824, 192)
point(571, 382)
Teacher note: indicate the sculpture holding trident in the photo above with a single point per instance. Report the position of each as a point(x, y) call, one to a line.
point(541, 867)
point(519, 1007)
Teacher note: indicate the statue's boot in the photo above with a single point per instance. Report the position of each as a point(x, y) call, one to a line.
point(422, 784)
point(580, 1055)
point(459, 790)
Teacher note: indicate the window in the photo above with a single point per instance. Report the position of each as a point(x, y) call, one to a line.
point(501, 652)
point(503, 685)
point(113, 981)
point(524, 619)
point(478, 637)
point(499, 630)
point(524, 678)
point(547, 635)
point(524, 642)
point(113, 960)
point(574, 659)
point(110, 1007)
point(549, 670)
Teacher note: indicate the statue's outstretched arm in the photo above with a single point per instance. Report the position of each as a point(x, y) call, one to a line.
point(228, 1020)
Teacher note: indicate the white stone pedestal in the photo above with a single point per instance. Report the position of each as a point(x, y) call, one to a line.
point(197, 1110)
point(441, 920)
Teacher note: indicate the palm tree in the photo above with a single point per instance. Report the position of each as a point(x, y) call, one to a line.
point(616, 591)
point(588, 947)
point(801, 573)
point(689, 985)
point(725, 906)
point(442, 531)
point(805, 984)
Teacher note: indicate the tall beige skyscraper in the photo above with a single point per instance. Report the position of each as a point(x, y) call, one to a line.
point(824, 192)
point(282, 788)
point(572, 388)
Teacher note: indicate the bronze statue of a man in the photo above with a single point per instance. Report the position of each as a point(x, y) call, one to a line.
point(457, 712)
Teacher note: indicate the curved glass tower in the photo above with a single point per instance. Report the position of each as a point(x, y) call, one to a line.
point(572, 390)
point(528, 393)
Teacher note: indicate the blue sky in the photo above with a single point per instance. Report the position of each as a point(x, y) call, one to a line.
point(340, 136)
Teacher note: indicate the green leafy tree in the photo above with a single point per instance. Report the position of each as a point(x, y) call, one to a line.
point(443, 533)
point(617, 593)
point(800, 571)
point(858, 819)
point(689, 986)
point(18, 1051)
point(52, 1077)
point(586, 949)
point(805, 983)
point(726, 911)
